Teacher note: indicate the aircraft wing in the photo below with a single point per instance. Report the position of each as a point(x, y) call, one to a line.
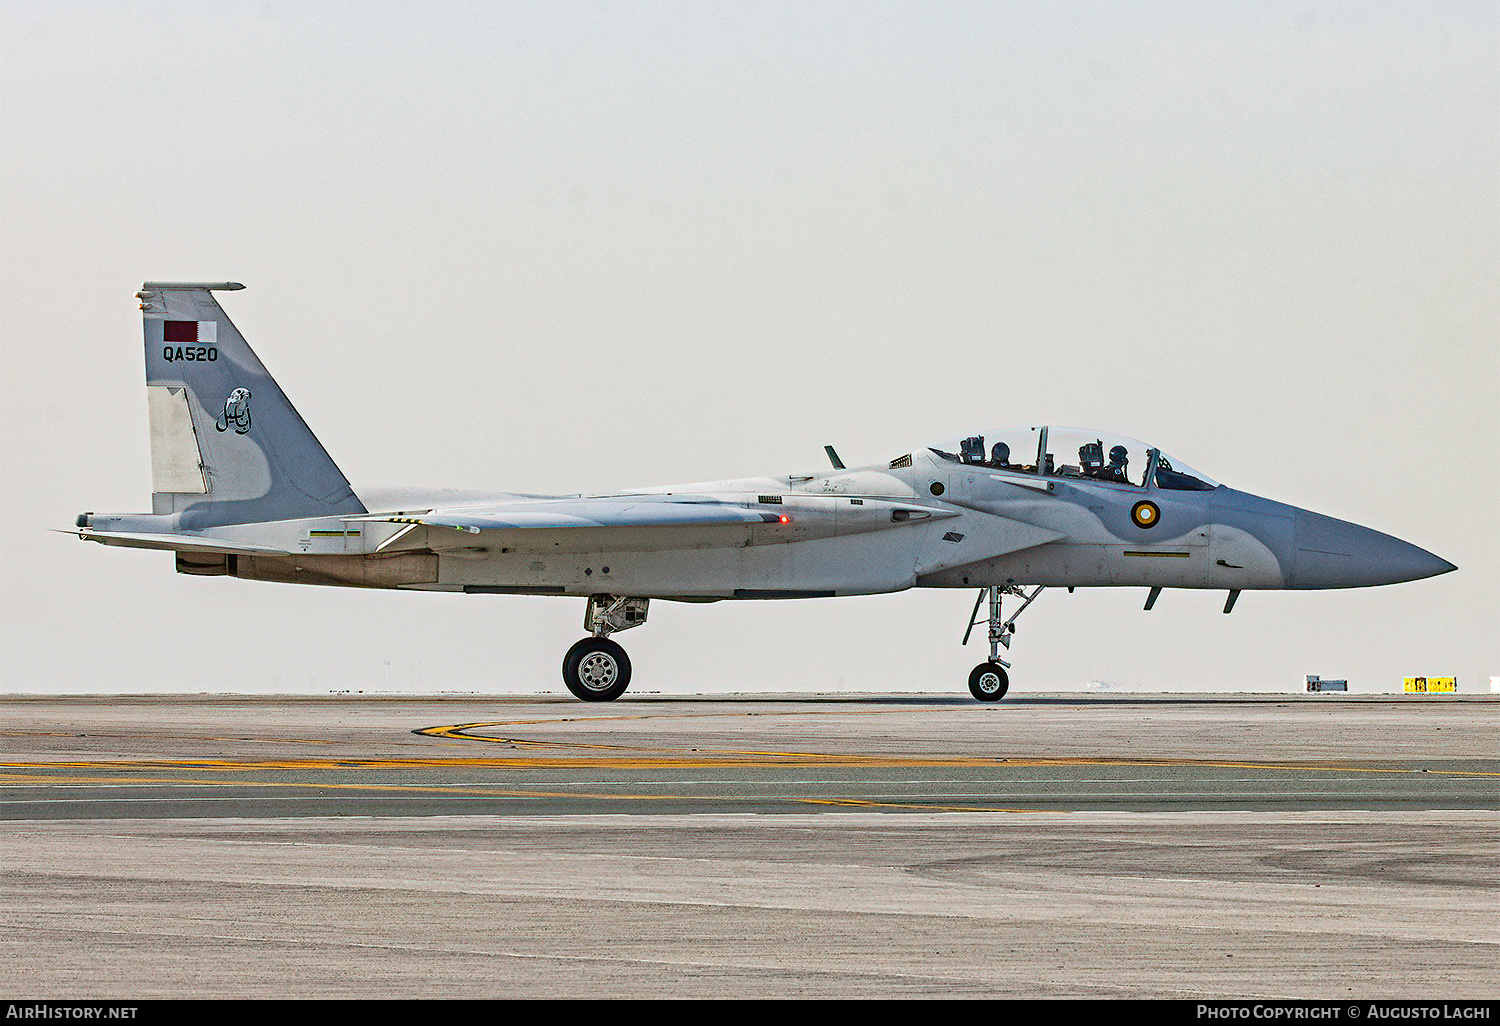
point(656, 520)
point(605, 512)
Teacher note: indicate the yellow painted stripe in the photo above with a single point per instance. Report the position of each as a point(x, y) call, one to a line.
point(459, 732)
point(481, 791)
point(687, 760)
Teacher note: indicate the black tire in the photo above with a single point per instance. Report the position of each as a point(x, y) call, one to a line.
point(989, 682)
point(596, 670)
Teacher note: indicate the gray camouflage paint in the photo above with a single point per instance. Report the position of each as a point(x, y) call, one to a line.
point(281, 510)
point(267, 465)
point(1232, 540)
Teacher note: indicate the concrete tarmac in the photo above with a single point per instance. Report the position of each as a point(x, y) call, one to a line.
point(1334, 847)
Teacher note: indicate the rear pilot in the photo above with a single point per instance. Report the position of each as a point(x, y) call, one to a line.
point(1119, 461)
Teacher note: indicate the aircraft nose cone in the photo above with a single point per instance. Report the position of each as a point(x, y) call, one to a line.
point(1335, 554)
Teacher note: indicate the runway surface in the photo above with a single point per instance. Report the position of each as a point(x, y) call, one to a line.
point(759, 846)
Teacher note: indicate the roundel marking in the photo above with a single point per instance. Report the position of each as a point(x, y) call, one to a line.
point(1145, 514)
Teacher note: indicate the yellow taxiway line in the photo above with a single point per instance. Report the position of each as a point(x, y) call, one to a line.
point(696, 760)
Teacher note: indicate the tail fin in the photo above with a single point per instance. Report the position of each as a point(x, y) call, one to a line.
point(226, 445)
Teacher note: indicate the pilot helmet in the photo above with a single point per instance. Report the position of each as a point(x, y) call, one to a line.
point(1118, 456)
point(1000, 453)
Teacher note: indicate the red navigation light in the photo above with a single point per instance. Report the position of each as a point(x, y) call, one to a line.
point(785, 519)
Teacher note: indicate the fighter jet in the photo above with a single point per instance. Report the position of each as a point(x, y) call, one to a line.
point(242, 488)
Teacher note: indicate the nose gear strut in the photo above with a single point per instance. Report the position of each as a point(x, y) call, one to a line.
point(989, 681)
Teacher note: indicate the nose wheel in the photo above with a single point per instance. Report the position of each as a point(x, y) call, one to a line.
point(989, 682)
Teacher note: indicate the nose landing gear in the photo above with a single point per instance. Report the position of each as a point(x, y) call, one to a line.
point(989, 681)
point(596, 669)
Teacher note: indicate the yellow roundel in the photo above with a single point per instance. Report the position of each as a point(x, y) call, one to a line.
point(1145, 513)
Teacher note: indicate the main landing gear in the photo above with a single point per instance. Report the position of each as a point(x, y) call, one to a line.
point(988, 681)
point(596, 669)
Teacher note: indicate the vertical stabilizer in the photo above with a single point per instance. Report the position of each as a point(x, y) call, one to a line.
point(226, 445)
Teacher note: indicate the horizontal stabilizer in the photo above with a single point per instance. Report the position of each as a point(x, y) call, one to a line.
point(175, 542)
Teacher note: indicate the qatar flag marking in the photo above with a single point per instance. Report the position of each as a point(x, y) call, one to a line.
point(190, 340)
point(190, 333)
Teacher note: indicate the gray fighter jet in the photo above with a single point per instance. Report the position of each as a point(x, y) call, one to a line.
point(241, 488)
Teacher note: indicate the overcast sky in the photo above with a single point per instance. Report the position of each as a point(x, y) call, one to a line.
point(575, 247)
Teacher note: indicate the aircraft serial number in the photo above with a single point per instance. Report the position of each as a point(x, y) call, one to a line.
point(203, 354)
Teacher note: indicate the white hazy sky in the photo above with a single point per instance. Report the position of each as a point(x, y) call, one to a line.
point(582, 246)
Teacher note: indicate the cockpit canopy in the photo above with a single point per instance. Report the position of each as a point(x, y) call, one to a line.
point(1077, 453)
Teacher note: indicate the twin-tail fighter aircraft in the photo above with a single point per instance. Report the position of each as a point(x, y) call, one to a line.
point(242, 488)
